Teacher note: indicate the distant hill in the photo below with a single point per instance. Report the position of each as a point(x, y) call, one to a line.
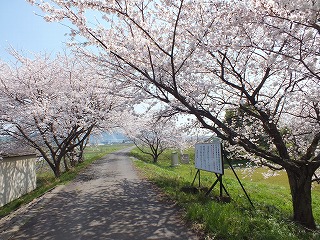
point(108, 138)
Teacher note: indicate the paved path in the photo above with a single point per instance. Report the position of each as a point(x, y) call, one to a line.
point(107, 201)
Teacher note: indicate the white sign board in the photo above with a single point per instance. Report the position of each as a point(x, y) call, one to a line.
point(208, 157)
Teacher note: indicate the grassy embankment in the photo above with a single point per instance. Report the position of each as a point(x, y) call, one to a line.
point(270, 219)
point(47, 181)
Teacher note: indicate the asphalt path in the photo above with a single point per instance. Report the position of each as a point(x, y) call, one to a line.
point(107, 201)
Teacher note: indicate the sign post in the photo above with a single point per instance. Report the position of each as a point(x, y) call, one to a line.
point(209, 157)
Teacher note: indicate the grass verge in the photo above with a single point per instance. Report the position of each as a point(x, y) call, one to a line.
point(47, 181)
point(270, 219)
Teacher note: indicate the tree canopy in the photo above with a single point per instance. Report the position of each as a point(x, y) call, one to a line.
point(54, 104)
point(206, 57)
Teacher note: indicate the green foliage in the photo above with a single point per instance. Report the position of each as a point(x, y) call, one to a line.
point(270, 219)
point(238, 118)
point(46, 180)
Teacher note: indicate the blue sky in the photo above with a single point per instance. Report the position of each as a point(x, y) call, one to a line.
point(27, 32)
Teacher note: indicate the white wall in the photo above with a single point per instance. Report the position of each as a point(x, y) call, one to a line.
point(17, 177)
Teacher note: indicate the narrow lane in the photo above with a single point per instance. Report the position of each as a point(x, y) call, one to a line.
point(107, 201)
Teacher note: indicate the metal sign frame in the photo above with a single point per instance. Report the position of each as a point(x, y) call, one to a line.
point(209, 157)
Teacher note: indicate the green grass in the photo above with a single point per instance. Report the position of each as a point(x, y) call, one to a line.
point(47, 181)
point(270, 219)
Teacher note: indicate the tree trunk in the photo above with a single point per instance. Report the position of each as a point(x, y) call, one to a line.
point(57, 171)
point(300, 186)
point(66, 167)
point(80, 157)
point(155, 158)
point(81, 151)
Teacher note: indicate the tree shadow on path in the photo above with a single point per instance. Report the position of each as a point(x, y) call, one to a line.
point(107, 202)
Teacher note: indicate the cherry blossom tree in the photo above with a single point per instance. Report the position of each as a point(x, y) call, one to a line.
point(206, 57)
point(153, 135)
point(53, 105)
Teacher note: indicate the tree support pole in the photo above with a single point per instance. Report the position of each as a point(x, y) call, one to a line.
point(198, 173)
point(234, 172)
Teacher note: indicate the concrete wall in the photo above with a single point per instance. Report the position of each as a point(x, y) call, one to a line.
point(17, 177)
